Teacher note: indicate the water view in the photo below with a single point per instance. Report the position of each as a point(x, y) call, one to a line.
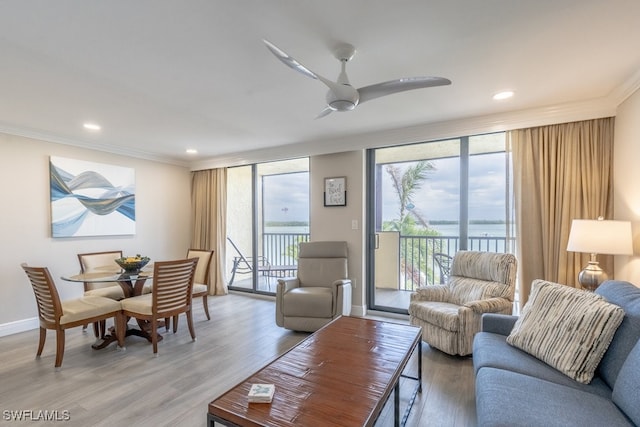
point(483, 229)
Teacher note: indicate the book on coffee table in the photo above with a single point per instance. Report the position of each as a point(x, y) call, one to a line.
point(261, 393)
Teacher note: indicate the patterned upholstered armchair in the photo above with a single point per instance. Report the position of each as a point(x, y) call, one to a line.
point(449, 314)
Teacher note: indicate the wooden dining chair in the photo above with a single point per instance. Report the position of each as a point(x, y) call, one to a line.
point(101, 262)
point(201, 282)
point(61, 315)
point(170, 296)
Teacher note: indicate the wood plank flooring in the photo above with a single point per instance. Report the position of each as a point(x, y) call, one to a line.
point(132, 387)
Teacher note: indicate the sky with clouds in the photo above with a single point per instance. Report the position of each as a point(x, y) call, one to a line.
point(439, 196)
point(287, 196)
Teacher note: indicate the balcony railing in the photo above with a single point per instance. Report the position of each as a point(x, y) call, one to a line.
point(281, 248)
point(417, 264)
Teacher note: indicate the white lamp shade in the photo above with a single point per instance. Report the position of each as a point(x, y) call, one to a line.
point(600, 237)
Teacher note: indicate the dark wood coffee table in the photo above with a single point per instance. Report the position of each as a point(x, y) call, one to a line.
point(341, 375)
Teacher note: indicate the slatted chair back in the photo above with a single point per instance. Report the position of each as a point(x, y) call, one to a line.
point(57, 315)
point(172, 283)
point(201, 280)
point(47, 298)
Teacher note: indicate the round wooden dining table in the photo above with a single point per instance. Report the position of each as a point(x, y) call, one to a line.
point(132, 285)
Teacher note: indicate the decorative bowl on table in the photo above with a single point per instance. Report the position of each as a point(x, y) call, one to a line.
point(132, 264)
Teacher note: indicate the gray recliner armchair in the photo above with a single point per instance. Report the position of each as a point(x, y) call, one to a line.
point(449, 314)
point(320, 292)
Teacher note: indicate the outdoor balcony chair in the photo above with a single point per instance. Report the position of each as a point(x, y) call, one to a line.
point(444, 265)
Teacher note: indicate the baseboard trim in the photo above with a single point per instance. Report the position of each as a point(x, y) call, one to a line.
point(19, 326)
point(359, 310)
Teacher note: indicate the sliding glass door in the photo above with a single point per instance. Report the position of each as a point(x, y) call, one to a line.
point(267, 215)
point(427, 201)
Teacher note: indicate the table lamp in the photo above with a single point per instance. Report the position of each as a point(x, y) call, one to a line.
point(598, 237)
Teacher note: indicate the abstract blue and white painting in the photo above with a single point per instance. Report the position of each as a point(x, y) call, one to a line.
point(91, 199)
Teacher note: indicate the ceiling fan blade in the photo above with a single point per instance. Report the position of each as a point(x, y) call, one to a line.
point(400, 85)
point(328, 110)
point(292, 63)
point(289, 61)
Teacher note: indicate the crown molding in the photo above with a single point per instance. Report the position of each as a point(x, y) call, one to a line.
point(625, 90)
point(90, 145)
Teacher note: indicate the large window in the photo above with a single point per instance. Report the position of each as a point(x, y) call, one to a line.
point(428, 201)
point(267, 215)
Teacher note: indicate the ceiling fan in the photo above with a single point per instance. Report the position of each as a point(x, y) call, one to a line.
point(344, 97)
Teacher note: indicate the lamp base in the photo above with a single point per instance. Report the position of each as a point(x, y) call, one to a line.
point(592, 276)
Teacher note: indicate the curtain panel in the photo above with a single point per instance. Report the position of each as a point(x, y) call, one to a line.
point(209, 221)
point(560, 173)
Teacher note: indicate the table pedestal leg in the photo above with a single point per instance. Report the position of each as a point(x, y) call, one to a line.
point(144, 332)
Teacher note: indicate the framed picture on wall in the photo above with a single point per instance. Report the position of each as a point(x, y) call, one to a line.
point(91, 199)
point(335, 191)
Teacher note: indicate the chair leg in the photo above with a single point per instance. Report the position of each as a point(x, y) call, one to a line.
point(121, 327)
point(167, 323)
point(192, 331)
point(96, 329)
point(233, 270)
point(59, 347)
point(43, 337)
point(205, 304)
point(175, 324)
point(154, 335)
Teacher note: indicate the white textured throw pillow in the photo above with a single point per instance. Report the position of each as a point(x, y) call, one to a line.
point(567, 328)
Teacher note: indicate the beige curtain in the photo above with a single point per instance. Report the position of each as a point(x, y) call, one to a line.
point(560, 173)
point(209, 221)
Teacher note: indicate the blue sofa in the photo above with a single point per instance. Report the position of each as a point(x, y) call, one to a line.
point(514, 388)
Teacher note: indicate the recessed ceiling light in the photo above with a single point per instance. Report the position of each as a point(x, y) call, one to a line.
point(192, 151)
point(503, 95)
point(91, 126)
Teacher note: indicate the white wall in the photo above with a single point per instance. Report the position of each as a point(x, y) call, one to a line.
point(162, 221)
point(626, 182)
point(336, 223)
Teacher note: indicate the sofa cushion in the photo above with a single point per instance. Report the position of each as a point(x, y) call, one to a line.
point(627, 296)
point(567, 328)
point(626, 393)
point(506, 398)
point(491, 350)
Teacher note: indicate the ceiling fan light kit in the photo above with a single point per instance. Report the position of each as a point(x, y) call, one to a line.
point(344, 97)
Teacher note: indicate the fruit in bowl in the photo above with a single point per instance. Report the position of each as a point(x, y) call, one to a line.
point(132, 263)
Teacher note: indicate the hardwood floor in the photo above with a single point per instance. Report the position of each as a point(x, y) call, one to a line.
point(132, 387)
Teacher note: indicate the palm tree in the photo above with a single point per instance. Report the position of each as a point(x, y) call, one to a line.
point(411, 223)
point(406, 184)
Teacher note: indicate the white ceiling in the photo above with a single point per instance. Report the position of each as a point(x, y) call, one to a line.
point(162, 76)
